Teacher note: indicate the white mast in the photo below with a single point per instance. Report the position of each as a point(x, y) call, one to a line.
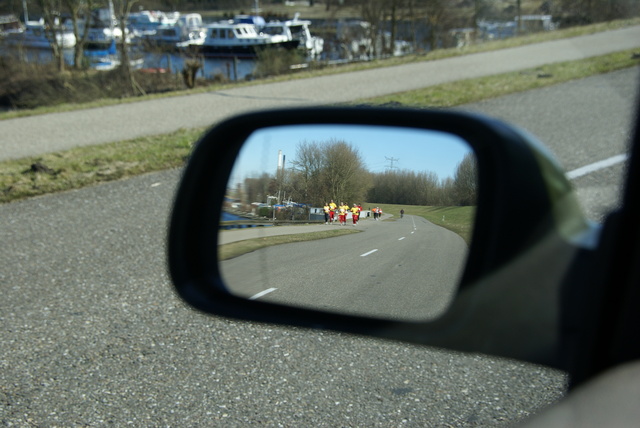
point(26, 13)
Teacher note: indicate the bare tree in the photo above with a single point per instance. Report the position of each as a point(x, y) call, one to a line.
point(308, 166)
point(436, 11)
point(80, 11)
point(122, 8)
point(405, 187)
point(257, 189)
point(583, 11)
point(327, 170)
point(52, 28)
point(344, 172)
point(465, 181)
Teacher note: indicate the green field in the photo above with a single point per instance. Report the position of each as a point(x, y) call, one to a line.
point(456, 219)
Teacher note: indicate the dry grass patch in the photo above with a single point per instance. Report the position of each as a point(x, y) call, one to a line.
point(235, 249)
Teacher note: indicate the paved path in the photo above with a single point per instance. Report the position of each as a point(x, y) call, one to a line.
point(229, 236)
point(32, 136)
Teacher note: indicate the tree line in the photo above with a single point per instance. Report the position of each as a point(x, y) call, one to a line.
point(335, 170)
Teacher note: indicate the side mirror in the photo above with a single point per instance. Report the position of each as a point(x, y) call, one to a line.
point(491, 285)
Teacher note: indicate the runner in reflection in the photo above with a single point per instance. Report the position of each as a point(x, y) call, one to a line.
point(327, 210)
point(343, 209)
point(332, 211)
point(355, 213)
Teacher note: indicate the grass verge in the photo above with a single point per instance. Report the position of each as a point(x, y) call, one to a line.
point(473, 90)
point(85, 166)
point(456, 219)
point(235, 249)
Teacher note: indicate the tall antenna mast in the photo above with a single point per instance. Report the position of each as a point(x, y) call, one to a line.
point(392, 160)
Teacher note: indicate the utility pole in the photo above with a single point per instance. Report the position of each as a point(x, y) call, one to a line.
point(392, 160)
point(518, 17)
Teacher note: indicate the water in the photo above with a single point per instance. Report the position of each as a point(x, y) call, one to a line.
point(172, 62)
point(232, 69)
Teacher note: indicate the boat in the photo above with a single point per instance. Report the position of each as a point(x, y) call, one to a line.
point(241, 40)
point(172, 37)
point(296, 30)
point(100, 37)
point(10, 24)
point(102, 28)
point(35, 35)
point(108, 59)
point(187, 31)
point(146, 22)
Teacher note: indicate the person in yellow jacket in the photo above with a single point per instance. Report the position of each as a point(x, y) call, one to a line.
point(343, 209)
point(332, 211)
point(355, 213)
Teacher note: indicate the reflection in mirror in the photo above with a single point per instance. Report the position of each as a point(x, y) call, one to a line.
point(360, 220)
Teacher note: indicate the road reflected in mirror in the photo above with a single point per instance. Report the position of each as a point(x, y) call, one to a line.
point(360, 220)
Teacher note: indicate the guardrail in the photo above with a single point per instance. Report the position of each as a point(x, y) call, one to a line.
point(241, 224)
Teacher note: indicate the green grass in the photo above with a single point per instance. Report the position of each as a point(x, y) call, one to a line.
point(456, 219)
point(235, 249)
point(472, 90)
point(84, 166)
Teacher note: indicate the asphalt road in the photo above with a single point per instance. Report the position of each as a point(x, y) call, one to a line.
point(405, 269)
point(93, 335)
point(582, 122)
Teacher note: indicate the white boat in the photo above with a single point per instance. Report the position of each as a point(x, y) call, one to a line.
point(102, 28)
point(100, 37)
point(108, 59)
point(10, 24)
point(35, 35)
point(238, 39)
point(112, 62)
point(187, 31)
point(146, 22)
point(296, 30)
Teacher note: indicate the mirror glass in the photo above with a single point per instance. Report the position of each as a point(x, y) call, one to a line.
point(394, 244)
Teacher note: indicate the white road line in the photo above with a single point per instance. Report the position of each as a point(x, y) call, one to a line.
point(401, 239)
point(370, 252)
point(262, 293)
point(596, 166)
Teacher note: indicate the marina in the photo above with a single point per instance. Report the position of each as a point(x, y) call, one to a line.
point(163, 42)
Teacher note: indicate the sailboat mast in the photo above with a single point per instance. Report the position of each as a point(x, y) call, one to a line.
point(26, 13)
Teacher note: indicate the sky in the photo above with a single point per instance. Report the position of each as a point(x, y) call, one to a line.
point(381, 148)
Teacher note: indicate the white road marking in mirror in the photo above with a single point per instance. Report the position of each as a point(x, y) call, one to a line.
point(262, 293)
point(596, 166)
point(370, 252)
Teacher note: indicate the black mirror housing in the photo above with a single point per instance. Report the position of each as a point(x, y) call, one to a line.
point(527, 218)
